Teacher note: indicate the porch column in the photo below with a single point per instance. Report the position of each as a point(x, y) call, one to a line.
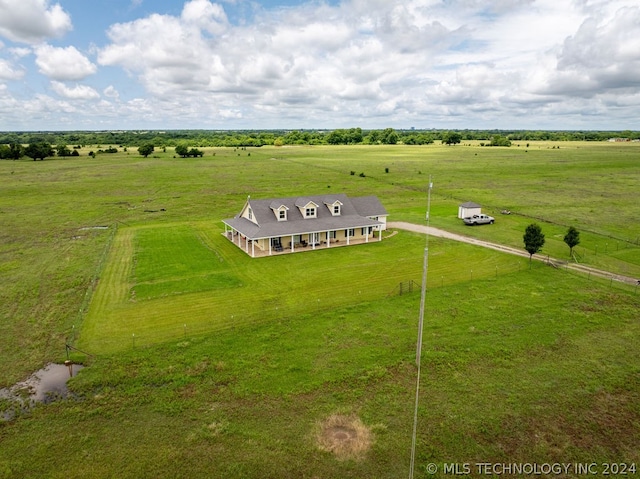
point(270, 246)
point(239, 240)
point(328, 239)
point(348, 236)
point(366, 235)
point(380, 234)
point(292, 248)
point(253, 249)
point(246, 244)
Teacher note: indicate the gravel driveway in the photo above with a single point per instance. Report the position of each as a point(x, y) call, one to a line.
point(507, 249)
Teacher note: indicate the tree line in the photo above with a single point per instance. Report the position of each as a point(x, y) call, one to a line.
point(257, 138)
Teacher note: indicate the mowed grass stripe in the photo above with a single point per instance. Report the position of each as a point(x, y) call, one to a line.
point(113, 287)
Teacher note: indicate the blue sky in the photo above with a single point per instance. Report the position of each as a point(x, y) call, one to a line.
point(236, 64)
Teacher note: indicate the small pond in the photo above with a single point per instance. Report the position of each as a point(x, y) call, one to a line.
point(44, 386)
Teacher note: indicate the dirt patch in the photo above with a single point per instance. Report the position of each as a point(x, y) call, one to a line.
point(344, 436)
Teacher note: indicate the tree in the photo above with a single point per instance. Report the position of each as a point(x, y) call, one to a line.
point(63, 150)
point(146, 150)
point(12, 151)
point(39, 150)
point(374, 137)
point(499, 140)
point(451, 138)
point(389, 136)
point(336, 137)
point(533, 239)
point(354, 136)
point(182, 151)
point(572, 238)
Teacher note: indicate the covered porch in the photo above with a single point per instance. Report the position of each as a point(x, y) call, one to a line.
point(295, 243)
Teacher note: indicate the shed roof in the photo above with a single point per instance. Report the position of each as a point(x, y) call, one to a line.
point(470, 204)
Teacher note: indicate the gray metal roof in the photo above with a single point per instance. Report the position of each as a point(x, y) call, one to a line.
point(470, 204)
point(354, 214)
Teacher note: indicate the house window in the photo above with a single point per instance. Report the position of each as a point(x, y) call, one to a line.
point(367, 230)
point(282, 215)
point(310, 212)
point(350, 232)
point(336, 210)
point(250, 214)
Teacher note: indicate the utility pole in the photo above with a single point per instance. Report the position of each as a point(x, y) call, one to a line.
point(425, 268)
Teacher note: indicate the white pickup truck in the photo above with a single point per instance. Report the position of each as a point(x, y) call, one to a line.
point(481, 219)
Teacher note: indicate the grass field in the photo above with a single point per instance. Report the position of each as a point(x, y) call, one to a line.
point(202, 368)
point(546, 371)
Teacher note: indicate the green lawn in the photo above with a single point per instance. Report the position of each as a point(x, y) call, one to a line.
point(189, 279)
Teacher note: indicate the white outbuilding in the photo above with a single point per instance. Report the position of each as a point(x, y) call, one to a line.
point(465, 210)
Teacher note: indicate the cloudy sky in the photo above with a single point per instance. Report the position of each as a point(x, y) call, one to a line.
point(261, 64)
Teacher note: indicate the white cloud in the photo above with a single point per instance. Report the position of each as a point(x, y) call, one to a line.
point(602, 55)
point(20, 52)
point(9, 71)
point(32, 21)
point(208, 16)
point(111, 92)
point(63, 63)
point(77, 92)
point(165, 53)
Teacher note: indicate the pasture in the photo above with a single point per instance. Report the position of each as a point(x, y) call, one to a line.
point(203, 366)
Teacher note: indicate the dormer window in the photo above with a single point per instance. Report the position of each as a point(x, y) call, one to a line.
point(334, 206)
point(279, 210)
point(250, 214)
point(308, 209)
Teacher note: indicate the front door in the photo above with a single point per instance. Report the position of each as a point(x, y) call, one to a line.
point(314, 238)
